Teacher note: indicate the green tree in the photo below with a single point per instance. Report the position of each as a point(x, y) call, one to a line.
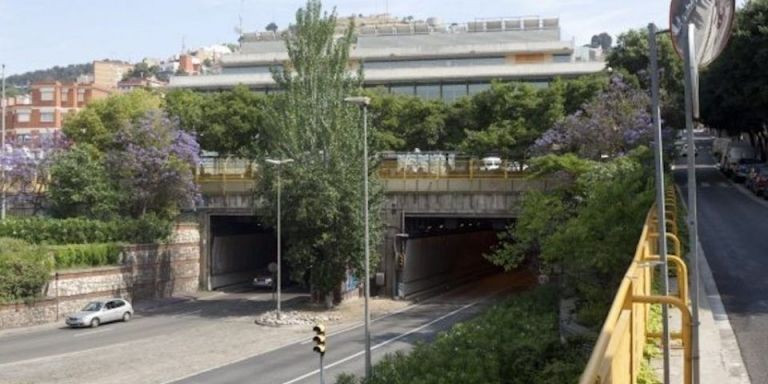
point(322, 190)
point(509, 117)
point(80, 185)
point(733, 97)
point(403, 123)
point(142, 70)
point(630, 57)
point(230, 122)
point(97, 123)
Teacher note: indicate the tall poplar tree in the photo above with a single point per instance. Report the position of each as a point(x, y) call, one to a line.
point(323, 188)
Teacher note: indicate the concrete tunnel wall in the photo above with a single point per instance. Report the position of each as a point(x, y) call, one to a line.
point(236, 258)
point(447, 260)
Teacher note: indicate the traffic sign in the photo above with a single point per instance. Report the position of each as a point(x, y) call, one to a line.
point(713, 20)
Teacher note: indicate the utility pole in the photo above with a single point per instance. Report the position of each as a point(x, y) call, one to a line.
point(363, 103)
point(279, 164)
point(661, 214)
point(2, 149)
point(691, 113)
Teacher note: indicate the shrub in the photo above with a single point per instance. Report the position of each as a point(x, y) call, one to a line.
point(85, 255)
point(86, 231)
point(24, 270)
point(514, 342)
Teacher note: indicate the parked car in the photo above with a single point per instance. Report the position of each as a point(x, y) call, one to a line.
point(684, 150)
point(264, 279)
point(734, 154)
point(100, 312)
point(743, 169)
point(757, 180)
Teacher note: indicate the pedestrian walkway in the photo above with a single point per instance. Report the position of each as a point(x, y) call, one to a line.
point(720, 357)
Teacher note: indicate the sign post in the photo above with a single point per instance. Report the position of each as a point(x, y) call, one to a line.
point(700, 31)
point(661, 213)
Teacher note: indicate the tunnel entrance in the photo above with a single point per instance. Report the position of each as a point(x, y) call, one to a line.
point(439, 253)
point(240, 246)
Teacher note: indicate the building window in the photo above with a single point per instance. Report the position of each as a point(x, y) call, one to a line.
point(453, 92)
point(46, 94)
point(81, 95)
point(428, 92)
point(402, 90)
point(46, 117)
point(477, 88)
point(64, 95)
point(561, 58)
point(22, 116)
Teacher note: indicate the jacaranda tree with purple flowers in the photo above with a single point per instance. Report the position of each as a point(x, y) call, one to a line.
point(611, 124)
point(27, 169)
point(153, 160)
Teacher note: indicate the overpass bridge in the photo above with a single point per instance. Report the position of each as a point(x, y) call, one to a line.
point(440, 215)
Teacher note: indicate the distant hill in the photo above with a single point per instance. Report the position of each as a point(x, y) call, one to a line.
point(57, 73)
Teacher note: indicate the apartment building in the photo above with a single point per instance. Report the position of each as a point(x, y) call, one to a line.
point(428, 58)
point(42, 111)
point(107, 73)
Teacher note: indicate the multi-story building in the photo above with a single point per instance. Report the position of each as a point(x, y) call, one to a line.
point(107, 73)
point(42, 111)
point(423, 58)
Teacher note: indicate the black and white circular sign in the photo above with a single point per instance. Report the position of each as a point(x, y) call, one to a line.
point(713, 20)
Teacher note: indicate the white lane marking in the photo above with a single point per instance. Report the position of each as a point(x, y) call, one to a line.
point(360, 324)
point(81, 334)
point(723, 184)
point(705, 185)
point(383, 343)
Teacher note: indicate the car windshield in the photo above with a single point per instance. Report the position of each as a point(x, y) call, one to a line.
point(92, 306)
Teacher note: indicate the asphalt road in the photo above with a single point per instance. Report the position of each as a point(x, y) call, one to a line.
point(52, 341)
point(297, 363)
point(57, 348)
point(733, 232)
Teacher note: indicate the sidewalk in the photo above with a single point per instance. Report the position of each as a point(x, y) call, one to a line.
point(720, 357)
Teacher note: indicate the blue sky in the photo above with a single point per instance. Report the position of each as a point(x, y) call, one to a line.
point(37, 34)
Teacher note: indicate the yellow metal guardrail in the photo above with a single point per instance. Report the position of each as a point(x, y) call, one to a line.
point(618, 352)
point(225, 168)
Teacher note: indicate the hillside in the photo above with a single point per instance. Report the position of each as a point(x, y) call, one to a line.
point(68, 73)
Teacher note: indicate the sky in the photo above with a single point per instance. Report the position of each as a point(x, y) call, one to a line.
point(38, 34)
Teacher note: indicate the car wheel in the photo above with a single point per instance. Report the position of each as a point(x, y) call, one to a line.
point(127, 316)
point(95, 322)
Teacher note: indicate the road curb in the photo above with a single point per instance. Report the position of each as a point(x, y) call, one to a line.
point(713, 310)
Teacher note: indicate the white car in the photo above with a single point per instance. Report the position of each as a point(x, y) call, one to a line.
point(491, 163)
point(264, 280)
point(100, 312)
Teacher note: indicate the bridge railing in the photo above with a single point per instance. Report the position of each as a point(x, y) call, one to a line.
point(462, 168)
point(228, 168)
point(618, 352)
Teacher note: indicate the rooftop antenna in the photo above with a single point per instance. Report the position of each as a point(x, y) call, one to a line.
point(183, 44)
point(239, 29)
point(386, 7)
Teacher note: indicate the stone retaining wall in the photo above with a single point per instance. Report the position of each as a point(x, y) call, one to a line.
point(147, 271)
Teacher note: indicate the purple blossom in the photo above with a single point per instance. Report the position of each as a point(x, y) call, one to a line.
point(611, 124)
point(154, 160)
point(27, 167)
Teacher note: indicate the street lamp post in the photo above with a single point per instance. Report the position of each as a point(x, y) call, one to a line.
point(363, 103)
point(2, 147)
point(279, 164)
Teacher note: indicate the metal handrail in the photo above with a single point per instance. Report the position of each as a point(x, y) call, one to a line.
point(618, 351)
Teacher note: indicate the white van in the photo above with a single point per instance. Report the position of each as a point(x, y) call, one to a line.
point(490, 163)
point(736, 152)
point(719, 145)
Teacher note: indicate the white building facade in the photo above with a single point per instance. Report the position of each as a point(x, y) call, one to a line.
point(426, 59)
